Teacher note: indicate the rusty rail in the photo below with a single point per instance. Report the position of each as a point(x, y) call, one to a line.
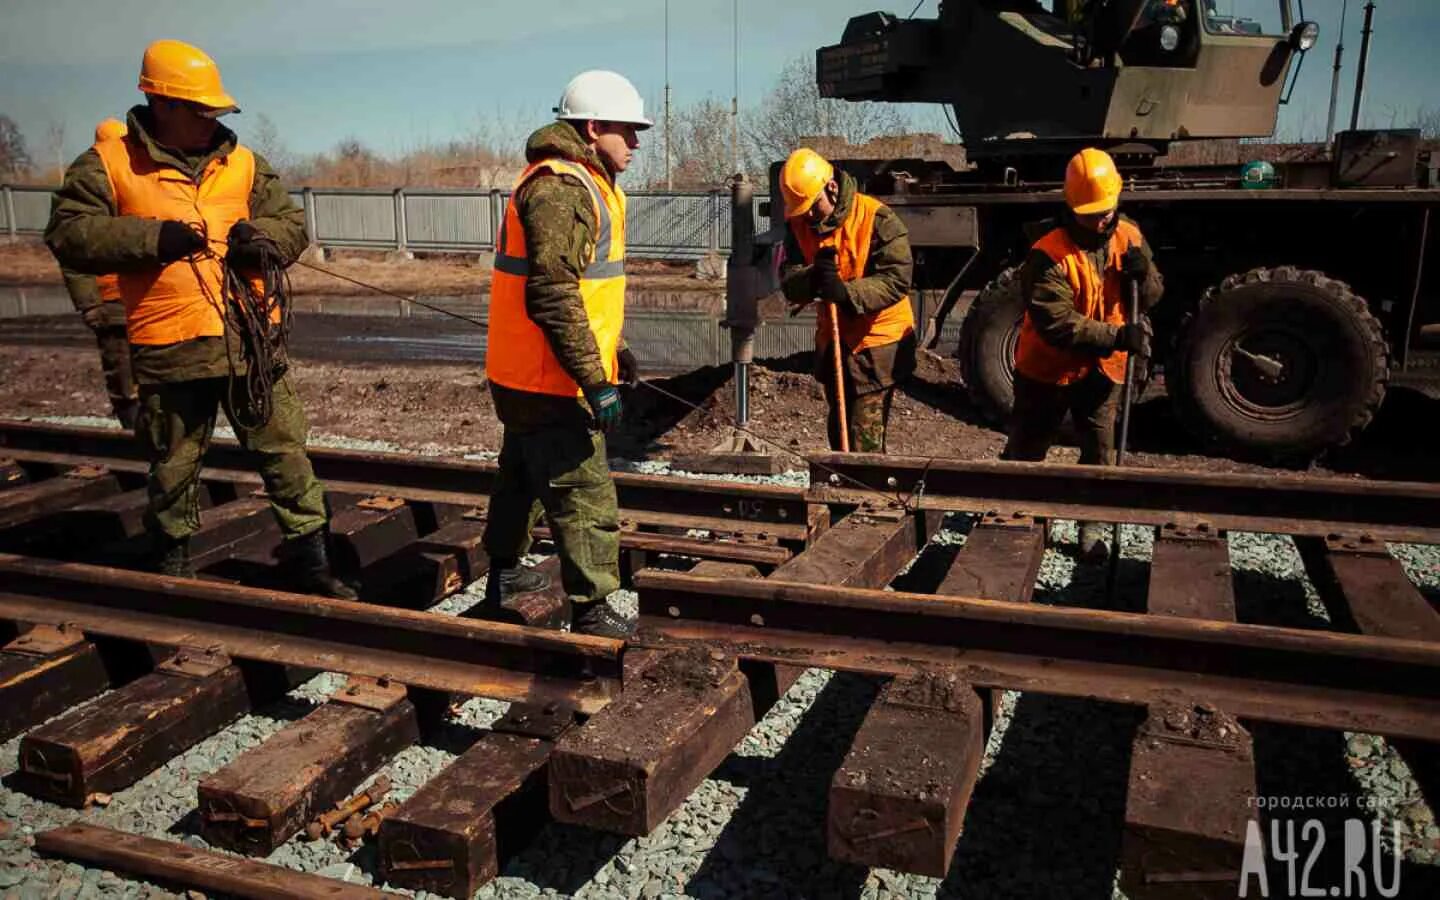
point(1317, 679)
point(1276, 504)
point(436, 479)
point(465, 656)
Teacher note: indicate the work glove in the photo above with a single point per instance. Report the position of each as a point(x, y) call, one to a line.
point(1133, 264)
point(1134, 337)
point(249, 248)
point(825, 278)
point(605, 406)
point(177, 241)
point(628, 367)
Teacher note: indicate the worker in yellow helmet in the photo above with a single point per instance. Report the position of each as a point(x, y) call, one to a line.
point(176, 206)
point(97, 299)
point(1075, 335)
point(852, 252)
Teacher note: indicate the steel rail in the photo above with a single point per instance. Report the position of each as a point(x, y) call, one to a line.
point(436, 479)
point(1273, 503)
point(464, 656)
point(1318, 679)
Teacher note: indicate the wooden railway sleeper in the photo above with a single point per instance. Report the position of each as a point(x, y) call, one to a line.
point(604, 795)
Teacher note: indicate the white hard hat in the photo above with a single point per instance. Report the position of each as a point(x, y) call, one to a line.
point(602, 96)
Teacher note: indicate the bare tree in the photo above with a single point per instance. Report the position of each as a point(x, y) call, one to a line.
point(1428, 121)
point(700, 145)
point(265, 137)
point(55, 148)
point(496, 146)
point(794, 111)
point(14, 158)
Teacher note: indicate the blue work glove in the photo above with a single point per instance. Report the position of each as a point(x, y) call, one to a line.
point(605, 406)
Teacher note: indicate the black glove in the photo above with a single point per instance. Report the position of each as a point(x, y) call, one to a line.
point(177, 241)
point(825, 278)
point(249, 247)
point(605, 405)
point(1133, 264)
point(1134, 337)
point(628, 367)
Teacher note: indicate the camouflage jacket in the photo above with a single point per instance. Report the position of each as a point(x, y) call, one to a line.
point(87, 236)
point(559, 221)
point(885, 282)
point(1051, 302)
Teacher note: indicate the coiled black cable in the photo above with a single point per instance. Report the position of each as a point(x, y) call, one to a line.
point(254, 307)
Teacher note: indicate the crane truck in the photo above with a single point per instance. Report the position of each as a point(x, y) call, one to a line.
point(1295, 290)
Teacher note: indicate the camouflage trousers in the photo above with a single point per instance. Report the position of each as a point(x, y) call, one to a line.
point(115, 363)
point(1040, 410)
point(562, 472)
point(177, 420)
point(867, 415)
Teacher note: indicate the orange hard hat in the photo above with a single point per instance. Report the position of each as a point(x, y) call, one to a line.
point(1092, 183)
point(109, 129)
point(180, 71)
point(803, 179)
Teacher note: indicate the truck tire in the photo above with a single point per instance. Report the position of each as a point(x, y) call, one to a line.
point(987, 346)
point(1279, 364)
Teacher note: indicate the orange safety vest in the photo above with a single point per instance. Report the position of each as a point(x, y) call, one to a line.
point(109, 286)
point(1096, 297)
point(852, 251)
point(517, 355)
point(179, 301)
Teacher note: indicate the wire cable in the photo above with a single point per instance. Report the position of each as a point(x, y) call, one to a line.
point(268, 343)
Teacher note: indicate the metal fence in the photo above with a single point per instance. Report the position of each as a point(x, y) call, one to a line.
point(657, 225)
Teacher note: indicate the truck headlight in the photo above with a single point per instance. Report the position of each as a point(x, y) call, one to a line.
point(1169, 38)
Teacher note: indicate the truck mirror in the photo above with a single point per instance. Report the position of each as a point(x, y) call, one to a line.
point(1303, 36)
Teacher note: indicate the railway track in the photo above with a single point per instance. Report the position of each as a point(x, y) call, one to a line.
point(740, 588)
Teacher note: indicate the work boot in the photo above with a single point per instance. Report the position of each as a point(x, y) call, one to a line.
point(505, 582)
point(171, 556)
point(127, 412)
point(312, 571)
point(599, 619)
point(1094, 538)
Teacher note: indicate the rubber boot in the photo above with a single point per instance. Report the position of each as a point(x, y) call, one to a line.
point(171, 556)
point(1094, 537)
point(506, 581)
point(313, 574)
point(599, 619)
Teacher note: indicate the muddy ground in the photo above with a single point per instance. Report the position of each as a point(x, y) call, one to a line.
point(28, 262)
point(417, 404)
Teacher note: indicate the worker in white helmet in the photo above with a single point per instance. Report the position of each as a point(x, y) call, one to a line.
point(555, 355)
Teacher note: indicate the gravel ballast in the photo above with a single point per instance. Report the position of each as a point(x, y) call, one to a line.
point(1045, 819)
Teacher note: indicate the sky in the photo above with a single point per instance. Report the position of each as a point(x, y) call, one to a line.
point(397, 75)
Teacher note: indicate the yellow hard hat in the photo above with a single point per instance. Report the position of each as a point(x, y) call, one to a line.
point(109, 129)
point(180, 71)
point(802, 180)
point(1092, 183)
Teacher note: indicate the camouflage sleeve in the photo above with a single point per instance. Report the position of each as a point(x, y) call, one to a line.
point(559, 221)
point(794, 274)
point(84, 290)
point(889, 268)
point(84, 232)
point(275, 214)
point(1051, 305)
point(1153, 287)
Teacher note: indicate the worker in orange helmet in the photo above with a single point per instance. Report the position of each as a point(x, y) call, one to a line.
point(1075, 336)
point(97, 299)
point(177, 207)
point(851, 252)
